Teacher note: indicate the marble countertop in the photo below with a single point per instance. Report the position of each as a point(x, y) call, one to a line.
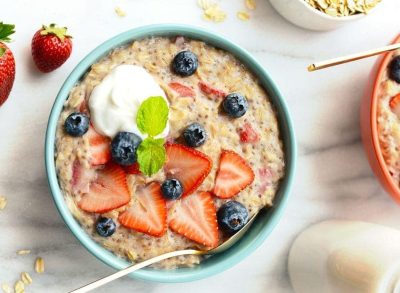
point(333, 177)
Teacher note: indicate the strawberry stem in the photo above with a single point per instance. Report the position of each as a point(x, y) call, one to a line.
point(6, 30)
point(59, 32)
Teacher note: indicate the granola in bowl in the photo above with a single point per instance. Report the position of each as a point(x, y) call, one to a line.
point(164, 136)
point(388, 116)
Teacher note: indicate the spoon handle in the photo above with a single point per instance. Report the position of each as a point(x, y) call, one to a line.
point(132, 268)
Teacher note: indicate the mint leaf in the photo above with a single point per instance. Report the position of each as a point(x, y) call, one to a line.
point(151, 155)
point(152, 116)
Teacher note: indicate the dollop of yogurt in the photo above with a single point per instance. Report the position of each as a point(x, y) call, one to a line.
point(115, 101)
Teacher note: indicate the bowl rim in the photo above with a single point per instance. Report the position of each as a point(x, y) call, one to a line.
point(335, 18)
point(384, 63)
point(247, 245)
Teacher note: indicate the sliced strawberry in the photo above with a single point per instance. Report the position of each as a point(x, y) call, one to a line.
point(187, 165)
point(132, 169)
point(233, 175)
point(265, 176)
point(195, 218)
point(182, 90)
point(211, 91)
point(81, 177)
point(395, 104)
point(148, 214)
point(108, 192)
point(248, 135)
point(100, 152)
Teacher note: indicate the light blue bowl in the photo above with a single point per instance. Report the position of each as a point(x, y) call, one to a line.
point(262, 226)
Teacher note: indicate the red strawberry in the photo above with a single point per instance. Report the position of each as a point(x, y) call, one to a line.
point(108, 192)
point(394, 104)
point(182, 90)
point(51, 47)
point(100, 152)
point(211, 91)
point(7, 62)
point(82, 177)
point(132, 169)
point(187, 165)
point(195, 218)
point(148, 214)
point(248, 134)
point(233, 175)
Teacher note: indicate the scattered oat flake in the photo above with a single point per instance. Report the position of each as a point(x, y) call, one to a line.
point(243, 15)
point(120, 12)
point(26, 278)
point(23, 251)
point(6, 288)
point(211, 11)
point(19, 287)
point(3, 202)
point(250, 4)
point(39, 265)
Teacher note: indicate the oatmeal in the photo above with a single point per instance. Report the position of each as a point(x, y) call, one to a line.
point(388, 117)
point(222, 145)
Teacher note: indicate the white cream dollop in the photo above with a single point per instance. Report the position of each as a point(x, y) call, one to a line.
point(115, 101)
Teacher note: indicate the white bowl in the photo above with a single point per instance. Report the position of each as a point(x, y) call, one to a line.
point(300, 13)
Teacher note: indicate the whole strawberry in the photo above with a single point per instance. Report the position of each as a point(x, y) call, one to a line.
point(7, 62)
point(51, 47)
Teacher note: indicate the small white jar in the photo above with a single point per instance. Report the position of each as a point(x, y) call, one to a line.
point(346, 257)
point(300, 13)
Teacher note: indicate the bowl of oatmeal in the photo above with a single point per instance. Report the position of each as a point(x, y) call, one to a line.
point(380, 122)
point(158, 139)
point(324, 15)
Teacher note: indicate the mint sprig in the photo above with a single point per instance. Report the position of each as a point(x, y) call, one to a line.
point(151, 119)
point(151, 155)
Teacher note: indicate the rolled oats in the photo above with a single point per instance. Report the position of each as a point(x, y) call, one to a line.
point(3, 202)
point(250, 4)
point(211, 11)
point(39, 265)
point(120, 12)
point(340, 8)
point(26, 278)
point(243, 15)
point(19, 287)
point(6, 288)
point(23, 251)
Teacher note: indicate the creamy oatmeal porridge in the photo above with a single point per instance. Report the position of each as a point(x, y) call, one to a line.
point(388, 117)
point(214, 151)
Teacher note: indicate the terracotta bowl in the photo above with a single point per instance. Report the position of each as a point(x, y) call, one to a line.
point(369, 127)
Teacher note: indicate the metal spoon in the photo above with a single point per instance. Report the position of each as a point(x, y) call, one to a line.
point(224, 246)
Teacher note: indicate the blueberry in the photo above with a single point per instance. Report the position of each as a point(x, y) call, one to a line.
point(394, 69)
point(123, 148)
point(185, 63)
point(235, 105)
point(232, 216)
point(105, 226)
point(172, 189)
point(194, 135)
point(77, 124)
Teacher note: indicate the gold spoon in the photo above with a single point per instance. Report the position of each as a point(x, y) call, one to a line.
point(224, 246)
point(353, 57)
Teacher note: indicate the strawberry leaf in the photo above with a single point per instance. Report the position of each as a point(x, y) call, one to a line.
point(6, 30)
point(59, 32)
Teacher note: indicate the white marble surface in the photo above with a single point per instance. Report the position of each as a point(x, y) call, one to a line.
point(333, 177)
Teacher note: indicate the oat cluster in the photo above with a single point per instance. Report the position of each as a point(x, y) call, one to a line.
point(25, 278)
point(340, 8)
point(214, 13)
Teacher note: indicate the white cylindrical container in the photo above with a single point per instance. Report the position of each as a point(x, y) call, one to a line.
point(346, 257)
